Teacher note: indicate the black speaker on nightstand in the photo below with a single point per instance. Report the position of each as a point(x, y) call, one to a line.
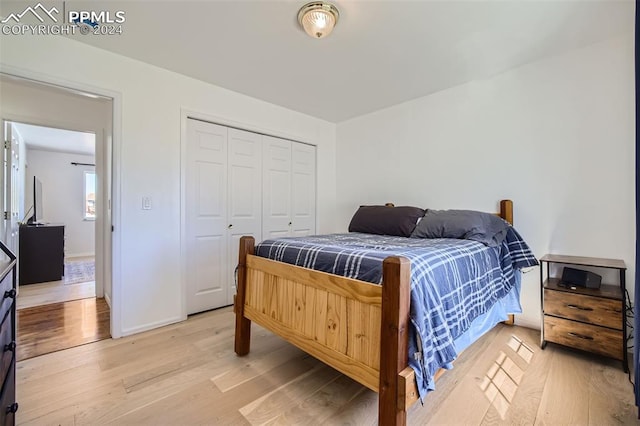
point(580, 278)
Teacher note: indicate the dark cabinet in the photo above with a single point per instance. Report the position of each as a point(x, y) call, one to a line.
point(41, 257)
point(8, 404)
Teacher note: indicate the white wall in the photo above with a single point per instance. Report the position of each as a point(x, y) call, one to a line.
point(148, 148)
point(555, 136)
point(63, 196)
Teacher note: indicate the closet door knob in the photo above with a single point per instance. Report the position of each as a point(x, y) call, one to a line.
point(230, 226)
point(290, 223)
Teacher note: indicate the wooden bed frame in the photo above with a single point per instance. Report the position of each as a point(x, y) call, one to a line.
point(358, 328)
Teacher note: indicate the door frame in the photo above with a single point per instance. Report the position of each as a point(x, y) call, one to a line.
point(111, 231)
point(8, 181)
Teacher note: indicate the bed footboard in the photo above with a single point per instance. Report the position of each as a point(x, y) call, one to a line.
point(358, 328)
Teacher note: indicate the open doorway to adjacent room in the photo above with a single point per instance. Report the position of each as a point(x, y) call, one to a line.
point(55, 188)
point(59, 191)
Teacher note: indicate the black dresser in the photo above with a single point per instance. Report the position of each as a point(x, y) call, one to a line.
point(8, 404)
point(41, 253)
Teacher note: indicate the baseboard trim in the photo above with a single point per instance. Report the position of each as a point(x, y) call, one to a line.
point(71, 256)
point(528, 324)
point(151, 326)
point(107, 299)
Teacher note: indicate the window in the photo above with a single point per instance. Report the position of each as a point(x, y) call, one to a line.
point(89, 195)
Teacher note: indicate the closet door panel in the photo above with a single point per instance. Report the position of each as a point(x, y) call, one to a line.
point(245, 194)
point(206, 216)
point(239, 183)
point(276, 188)
point(303, 206)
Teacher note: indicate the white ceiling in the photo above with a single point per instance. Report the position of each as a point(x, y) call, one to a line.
point(381, 53)
point(51, 139)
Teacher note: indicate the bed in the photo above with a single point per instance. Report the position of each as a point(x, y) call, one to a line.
point(359, 328)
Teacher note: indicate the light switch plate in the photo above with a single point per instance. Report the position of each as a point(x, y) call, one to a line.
point(146, 203)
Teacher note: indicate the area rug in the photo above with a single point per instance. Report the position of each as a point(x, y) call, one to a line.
point(79, 271)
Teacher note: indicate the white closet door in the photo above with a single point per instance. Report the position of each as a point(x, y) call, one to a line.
point(303, 185)
point(276, 181)
point(206, 216)
point(245, 194)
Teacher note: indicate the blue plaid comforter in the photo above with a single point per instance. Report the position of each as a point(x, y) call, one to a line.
point(452, 281)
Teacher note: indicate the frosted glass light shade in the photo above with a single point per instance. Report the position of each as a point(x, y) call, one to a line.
point(318, 18)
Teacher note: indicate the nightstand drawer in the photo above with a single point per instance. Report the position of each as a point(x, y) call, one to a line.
point(594, 310)
point(587, 337)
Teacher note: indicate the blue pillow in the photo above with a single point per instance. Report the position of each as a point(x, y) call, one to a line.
point(485, 228)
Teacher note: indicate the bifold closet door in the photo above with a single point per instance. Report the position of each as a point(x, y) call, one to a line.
point(289, 188)
point(276, 184)
point(206, 185)
point(239, 183)
point(303, 189)
point(245, 194)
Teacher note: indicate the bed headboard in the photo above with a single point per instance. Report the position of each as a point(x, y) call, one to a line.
point(506, 210)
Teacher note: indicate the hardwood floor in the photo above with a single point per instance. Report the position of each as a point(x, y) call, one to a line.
point(53, 292)
point(188, 374)
point(56, 291)
point(57, 326)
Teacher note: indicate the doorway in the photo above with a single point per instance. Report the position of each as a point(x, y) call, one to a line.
point(60, 134)
point(56, 187)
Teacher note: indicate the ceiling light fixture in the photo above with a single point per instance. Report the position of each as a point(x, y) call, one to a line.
point(318, 18)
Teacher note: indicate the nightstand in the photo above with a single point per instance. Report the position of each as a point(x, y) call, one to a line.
point(589, 319)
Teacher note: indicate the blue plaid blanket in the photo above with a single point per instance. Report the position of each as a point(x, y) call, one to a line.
point(452, 281)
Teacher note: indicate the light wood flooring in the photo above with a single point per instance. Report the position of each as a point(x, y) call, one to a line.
point(53, 292)
point(57, 326)
point(188, 374)
point(30, 295)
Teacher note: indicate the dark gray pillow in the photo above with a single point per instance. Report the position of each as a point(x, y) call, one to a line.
point(486, 228)
point(383, 220)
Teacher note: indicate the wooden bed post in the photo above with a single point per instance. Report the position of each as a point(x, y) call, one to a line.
point(506, 210)
point(394, 338)
point(243, 325)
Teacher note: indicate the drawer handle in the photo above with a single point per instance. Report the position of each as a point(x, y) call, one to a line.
point(12, 408)
point(10, 293)
point(580, 308)
point(10, 346)
point(580, 336)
